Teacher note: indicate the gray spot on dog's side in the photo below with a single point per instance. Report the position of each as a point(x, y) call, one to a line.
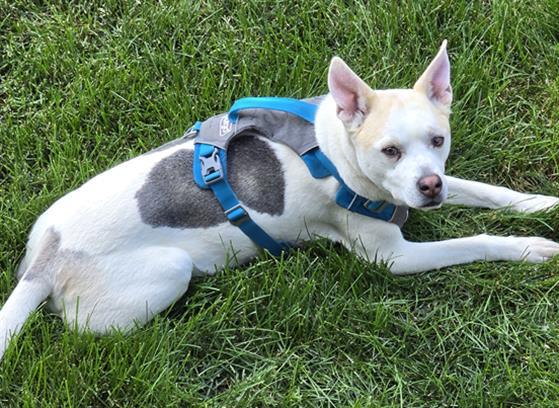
point(171, 198)
point(256, 175)
point(41, 265)
point(168, 145)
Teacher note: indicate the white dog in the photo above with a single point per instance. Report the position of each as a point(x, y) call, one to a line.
point(125, 245)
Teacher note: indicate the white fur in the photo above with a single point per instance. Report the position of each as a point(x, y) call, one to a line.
point(118, 271)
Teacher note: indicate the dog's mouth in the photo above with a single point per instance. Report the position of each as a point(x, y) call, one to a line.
point(432, 204)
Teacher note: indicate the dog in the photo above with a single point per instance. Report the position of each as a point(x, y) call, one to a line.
point(125, 245)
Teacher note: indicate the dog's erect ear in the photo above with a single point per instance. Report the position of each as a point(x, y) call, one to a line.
point(435, 81)
point(351, 93)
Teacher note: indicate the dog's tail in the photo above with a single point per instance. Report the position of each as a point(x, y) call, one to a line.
point(34, 286)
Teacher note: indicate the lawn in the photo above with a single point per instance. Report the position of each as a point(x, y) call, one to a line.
point(85, 85)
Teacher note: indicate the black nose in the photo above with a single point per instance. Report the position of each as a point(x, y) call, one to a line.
point(430, 186)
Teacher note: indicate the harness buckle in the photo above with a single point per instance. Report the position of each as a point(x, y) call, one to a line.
point(236, 215)
point(211, 169)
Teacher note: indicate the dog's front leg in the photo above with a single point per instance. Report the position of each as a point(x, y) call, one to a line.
point(476, 194)
point(411, 257)
point(384, 242)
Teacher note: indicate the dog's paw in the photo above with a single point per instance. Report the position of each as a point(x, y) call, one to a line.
point(533, 249)
point(535, 202)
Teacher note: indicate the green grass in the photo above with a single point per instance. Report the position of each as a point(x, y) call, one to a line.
point(85, 85)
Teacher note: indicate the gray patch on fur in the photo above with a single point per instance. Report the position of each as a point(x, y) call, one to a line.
point(256, 175)
point(62, 268)
point(49, 246)
point(171, 198)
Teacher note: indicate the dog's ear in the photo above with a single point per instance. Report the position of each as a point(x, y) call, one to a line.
point(435, 81)
point(351, 93)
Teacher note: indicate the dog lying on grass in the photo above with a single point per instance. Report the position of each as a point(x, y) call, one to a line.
point(125, 245)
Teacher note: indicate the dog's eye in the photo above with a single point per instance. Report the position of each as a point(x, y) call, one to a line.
point(437, 141)
point(391, 151)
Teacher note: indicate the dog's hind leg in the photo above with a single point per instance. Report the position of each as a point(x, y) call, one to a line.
point(122, 289)
point(476, 194)
point(34, 286)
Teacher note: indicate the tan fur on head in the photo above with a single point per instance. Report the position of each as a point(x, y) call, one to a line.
point(389, 133)
point(365, 112)
point(386, 103)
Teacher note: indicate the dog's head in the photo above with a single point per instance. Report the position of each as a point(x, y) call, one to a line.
point(401, 137)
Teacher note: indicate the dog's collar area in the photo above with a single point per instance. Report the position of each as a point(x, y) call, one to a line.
point(320, 166)
point(210, 161)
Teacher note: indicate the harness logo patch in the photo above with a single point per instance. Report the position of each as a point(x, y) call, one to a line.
point(224, 126)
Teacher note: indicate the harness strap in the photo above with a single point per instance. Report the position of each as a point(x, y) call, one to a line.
point(212, 163)
point(320, 166)
point(304, 110)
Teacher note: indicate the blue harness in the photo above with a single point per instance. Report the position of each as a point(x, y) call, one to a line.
point(210, 172)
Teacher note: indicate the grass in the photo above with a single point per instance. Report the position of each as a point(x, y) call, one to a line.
point(87, 84)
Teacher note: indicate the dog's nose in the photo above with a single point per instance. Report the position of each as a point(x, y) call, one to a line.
point(430, 186)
